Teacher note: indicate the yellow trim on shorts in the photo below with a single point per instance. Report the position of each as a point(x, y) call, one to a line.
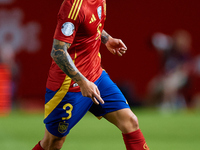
point(57, 98)
point(53, 103)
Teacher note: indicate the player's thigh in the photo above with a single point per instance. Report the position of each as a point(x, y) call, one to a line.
point(61, 117)
point(112, 96)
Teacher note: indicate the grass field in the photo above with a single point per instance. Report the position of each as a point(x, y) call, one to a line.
point(177, 131)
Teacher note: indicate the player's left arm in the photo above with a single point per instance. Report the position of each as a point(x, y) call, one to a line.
point(114, 45)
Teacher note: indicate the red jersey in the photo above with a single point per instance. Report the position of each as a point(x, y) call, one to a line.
point(80, 23)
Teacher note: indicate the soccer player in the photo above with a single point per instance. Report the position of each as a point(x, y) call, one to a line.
point(77, 83)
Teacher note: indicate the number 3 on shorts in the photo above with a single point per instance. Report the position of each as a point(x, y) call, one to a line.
point(68, 107)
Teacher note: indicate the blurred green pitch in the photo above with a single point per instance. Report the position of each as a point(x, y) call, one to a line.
point(177, 131)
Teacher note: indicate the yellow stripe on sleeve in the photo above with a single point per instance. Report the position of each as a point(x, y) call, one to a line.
point(75, 9)
point(72, 9)
point(78, 9)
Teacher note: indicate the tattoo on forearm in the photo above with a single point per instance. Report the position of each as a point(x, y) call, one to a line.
point(104, 37)
point(63, 60)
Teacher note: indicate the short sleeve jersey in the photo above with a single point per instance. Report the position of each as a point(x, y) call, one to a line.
point(80, 23)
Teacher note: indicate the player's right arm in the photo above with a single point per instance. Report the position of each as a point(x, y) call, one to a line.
point(62, 58)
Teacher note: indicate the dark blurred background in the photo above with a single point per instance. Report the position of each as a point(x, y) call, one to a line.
point(161, 67)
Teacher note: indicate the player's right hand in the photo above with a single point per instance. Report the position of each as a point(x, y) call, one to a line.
point(89, 89)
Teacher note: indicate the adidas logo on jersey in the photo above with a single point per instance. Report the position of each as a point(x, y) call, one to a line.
point(93, 19)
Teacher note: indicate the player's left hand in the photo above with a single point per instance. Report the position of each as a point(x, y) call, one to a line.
point(116, 46)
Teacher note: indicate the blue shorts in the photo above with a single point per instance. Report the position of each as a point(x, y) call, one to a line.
point(66, 111)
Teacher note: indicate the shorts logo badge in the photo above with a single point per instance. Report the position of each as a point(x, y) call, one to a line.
point(62, 127)
point(99, 10)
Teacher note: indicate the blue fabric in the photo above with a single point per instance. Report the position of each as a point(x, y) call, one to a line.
point(110, 93)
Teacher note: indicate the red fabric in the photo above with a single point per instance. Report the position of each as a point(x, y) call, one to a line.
point(135, 141)
point(38, 147)
point(85, 39)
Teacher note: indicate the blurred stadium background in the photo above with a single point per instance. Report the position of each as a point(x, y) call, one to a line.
point(159, 75)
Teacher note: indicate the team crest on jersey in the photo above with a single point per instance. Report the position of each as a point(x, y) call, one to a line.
point(67, 28)
point(62, 127)
point(99, 11)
